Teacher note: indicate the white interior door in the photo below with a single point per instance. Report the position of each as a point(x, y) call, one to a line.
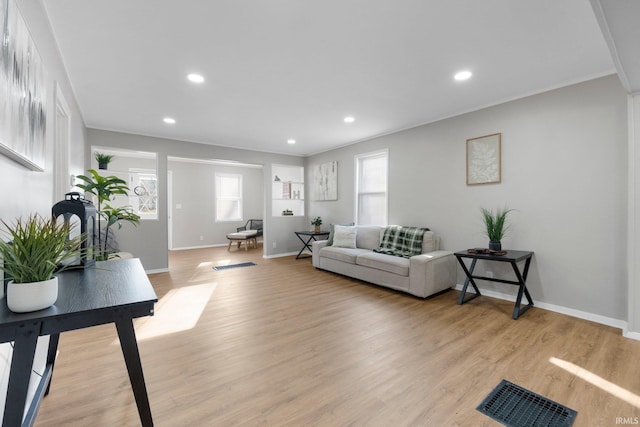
point(169, 210)
point(61, 176)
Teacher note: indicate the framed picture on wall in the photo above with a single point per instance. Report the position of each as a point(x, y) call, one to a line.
point(484, 160)
point(23, 102)
point(325, 181)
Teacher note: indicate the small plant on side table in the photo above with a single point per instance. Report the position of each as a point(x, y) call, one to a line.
point(38, 249)
point(316, 222)
point(495, 226)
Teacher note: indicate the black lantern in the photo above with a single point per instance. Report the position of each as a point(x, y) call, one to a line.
point(76, 209)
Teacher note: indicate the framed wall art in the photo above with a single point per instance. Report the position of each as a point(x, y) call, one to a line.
point(484, 160)
point(325, 181)
point(23, 81)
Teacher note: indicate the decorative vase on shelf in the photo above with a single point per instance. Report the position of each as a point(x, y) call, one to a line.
point(495, 246)
point(103, 160)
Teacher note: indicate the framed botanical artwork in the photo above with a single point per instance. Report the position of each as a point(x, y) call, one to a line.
point(23, 90)
point(484, 160)
point(325, 181)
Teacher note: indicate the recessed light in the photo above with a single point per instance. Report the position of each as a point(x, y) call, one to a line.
point(349, 119)
point(169, 120)
point(195, 78)
point(462, 75)
point(291, 141)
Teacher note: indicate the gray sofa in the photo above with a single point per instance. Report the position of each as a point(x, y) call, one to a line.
point(421, 275)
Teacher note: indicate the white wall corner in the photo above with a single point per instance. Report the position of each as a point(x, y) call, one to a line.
point(633, 219)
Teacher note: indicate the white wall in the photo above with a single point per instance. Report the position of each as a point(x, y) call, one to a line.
point(148, 241)
point(564, 168)
point(24, 192)
point(633, 327)
point(194, 191)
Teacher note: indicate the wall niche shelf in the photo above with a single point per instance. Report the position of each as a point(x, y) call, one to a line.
point(287, 191)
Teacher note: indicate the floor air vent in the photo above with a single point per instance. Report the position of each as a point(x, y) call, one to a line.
point(515, 406)
point(227, 267)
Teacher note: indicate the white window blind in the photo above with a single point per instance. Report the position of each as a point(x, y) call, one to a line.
point(371, 188)
point(228, 197)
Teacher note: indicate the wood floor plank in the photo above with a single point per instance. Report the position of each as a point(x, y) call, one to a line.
point(284, 344)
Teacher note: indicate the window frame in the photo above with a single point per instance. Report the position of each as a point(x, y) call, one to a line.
point(239, 198)
point(134, 197)
point(358, 160)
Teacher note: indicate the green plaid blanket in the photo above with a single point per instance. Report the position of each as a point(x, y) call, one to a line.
point(401, 241)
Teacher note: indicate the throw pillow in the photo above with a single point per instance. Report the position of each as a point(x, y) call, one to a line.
point(344, 236)
point(331, 232)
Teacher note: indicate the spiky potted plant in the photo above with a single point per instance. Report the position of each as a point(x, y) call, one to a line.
point(36, 251)
point(495, 226)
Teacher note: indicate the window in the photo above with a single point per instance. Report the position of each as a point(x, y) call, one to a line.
point(143, 197)
point(371, 188)
point(228, 197)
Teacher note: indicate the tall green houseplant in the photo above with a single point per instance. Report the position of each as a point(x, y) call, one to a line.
point(105, 189)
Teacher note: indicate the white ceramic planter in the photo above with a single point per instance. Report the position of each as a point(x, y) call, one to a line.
point(25, 297)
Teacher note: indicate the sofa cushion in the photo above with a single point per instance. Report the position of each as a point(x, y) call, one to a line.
point(332, 232)
point(342, 254)
point(392, 264)
point(344, 236)
point(429, 242)
point(368, 236)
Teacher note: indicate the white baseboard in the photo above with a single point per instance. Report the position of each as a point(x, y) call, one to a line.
point(217, 245)
point(157, 270)
point(279, 255)
point(186, 248)
point(632, 335)
point(604, 320)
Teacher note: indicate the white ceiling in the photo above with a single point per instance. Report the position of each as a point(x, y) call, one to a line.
point(282, 69)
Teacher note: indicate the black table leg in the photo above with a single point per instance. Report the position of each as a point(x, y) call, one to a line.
point(306, 245)
point(129, 345)
point(51, 356)
point(469, 274)
point(24, 350)
point(522, 288)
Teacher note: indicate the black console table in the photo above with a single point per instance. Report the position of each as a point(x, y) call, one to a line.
point(311, 237)
point(113, 292)
point(512, 257)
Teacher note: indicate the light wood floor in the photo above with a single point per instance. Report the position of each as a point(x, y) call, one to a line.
point(284, 344)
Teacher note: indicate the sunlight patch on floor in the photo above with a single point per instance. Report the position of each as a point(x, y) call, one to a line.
point(179, 310)
point(203, 269)
point(590, 377)
point(208, 265)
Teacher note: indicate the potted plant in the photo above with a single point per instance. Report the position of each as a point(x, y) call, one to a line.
point(115, 216)
point(103, 160)
point(496, 226)
point(37, 249)
point(105, 188)
point(316, 222)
